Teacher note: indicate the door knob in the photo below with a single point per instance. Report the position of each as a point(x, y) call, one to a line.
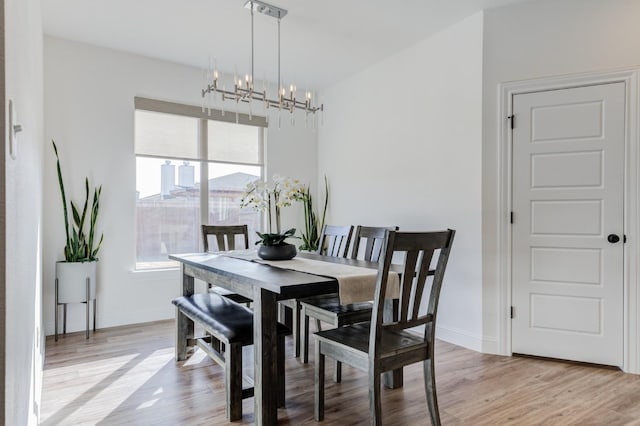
point(613, 238)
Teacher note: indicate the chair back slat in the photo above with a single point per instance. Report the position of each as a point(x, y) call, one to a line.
point(224, 242)
point(368, 250)
point(418, 249)
point(406, 286)
point(225, 236)
point(443, 258)
point(423, 271)
point(335, 240)
point(374, 237)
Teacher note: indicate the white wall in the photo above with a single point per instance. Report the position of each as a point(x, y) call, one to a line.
point(89, 95)
point(411, 141)
point(533, 40)
point(24, 342)
point(401, 145)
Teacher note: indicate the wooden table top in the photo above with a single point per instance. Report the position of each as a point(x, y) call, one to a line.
point(286, 283)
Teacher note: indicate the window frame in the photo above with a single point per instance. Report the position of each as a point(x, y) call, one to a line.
point(203, 115)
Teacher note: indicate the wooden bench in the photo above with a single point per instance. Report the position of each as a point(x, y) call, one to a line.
point(230, 327)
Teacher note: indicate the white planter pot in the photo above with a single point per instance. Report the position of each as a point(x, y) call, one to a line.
point(72, 281)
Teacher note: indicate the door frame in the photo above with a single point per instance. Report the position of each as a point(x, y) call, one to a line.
point(631, 289)
point(3, 218)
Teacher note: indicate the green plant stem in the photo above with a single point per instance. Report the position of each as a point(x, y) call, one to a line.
point(326, 200)
point(311, 235)
point(64, 202)
point(269, 213)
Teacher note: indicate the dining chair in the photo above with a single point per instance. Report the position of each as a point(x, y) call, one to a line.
point(327, 308)
point(225, 239)
point(334, 241)
point(378, 346)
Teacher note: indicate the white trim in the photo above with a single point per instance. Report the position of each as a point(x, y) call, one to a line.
point(506, 91)
point(459, 337)
point(200, 160)
point(203, 152)
point(153, 274)
point(167, 107)
point(76, 322)
point(490, 346)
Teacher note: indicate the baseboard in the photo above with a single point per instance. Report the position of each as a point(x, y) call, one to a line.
point(460, 337)
point(490, 346)
point(452, 335)
point(122, 318)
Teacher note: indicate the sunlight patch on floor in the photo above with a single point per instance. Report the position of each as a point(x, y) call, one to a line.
point(147, 404)
point(124, 387)
point(197, 357)
point(97, 391)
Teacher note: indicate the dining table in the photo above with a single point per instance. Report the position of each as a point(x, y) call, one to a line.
point(241, 272)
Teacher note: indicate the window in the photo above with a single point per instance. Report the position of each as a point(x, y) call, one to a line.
point(190, 169)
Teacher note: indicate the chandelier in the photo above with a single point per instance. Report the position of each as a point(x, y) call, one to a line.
point(244, 90)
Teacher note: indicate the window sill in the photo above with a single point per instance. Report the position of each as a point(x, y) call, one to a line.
point(158, 273)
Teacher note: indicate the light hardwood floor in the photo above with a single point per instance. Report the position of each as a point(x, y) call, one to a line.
point(127, 375)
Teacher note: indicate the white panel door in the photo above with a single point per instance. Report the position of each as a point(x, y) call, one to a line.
point(568, 186)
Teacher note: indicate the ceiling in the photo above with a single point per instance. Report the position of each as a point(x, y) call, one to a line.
point(323, 41)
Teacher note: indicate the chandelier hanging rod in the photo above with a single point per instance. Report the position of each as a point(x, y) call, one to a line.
point(244, 91)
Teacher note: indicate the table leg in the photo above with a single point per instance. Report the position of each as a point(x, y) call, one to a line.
point(94, 315)
point(184, 325)
point(392, 379)
point(285, 315)
point(57, 310)
point(187, 284)
point(265, 339)
point(88, 306)
point(295, 328)
point(184, 332)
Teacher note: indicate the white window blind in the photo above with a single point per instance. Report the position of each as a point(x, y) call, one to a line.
point(166, 135)
point(233, 143)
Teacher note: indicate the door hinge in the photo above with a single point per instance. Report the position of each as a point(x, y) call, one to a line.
point(512, 121)
point(511, 217)
point(624, 239)
point(511, 311)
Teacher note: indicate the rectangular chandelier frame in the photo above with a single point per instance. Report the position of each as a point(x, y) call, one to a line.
point(244, 91)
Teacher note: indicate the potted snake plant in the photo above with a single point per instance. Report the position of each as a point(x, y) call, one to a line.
point(81, 248)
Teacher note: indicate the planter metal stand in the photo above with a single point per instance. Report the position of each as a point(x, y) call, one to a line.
point(64, 312)
point(73, 291)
